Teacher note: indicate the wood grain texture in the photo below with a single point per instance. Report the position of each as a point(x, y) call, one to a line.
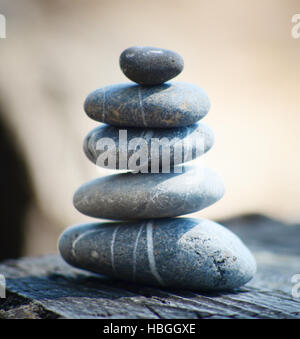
point(46, 287)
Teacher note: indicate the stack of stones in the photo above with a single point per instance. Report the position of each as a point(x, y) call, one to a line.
point(148, 244)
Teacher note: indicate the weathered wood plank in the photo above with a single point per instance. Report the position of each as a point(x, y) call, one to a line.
point(46, 287)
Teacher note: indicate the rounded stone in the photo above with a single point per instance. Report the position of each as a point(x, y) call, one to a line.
point(129, 196)
point(172, 104)
point(150, 65)
point(187, 253)
point(154, 149)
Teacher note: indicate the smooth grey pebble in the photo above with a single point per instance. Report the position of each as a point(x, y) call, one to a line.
point(172, 104)
point(195, 254)
point(129, 196)
point(150, 65)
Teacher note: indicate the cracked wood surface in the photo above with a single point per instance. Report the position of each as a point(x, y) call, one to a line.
point(46, 287)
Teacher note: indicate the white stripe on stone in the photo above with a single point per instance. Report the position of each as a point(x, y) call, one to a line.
point(135, 249)
point(142, 107)
point(103, 107)
point(112, 249)
point(73, 250)
point(150, 252)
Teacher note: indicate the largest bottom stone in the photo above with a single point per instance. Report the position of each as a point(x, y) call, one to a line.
point(187, 253)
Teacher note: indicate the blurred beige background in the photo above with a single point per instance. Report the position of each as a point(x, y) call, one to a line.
point(241, 52)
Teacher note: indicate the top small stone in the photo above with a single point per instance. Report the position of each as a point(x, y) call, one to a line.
point(149, 65)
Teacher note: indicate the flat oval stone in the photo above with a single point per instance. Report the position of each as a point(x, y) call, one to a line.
point(159, 149)
point(129, 196)
point(187, 253)
point(173, 104)
point(150, 65)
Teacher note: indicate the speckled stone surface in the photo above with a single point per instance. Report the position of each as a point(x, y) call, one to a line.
point(128, 196)
point(150, 65)
point(186, 143)
point(187, 253)
point(172, 104)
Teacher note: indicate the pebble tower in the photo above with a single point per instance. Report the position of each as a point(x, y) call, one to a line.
point(148, 242)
